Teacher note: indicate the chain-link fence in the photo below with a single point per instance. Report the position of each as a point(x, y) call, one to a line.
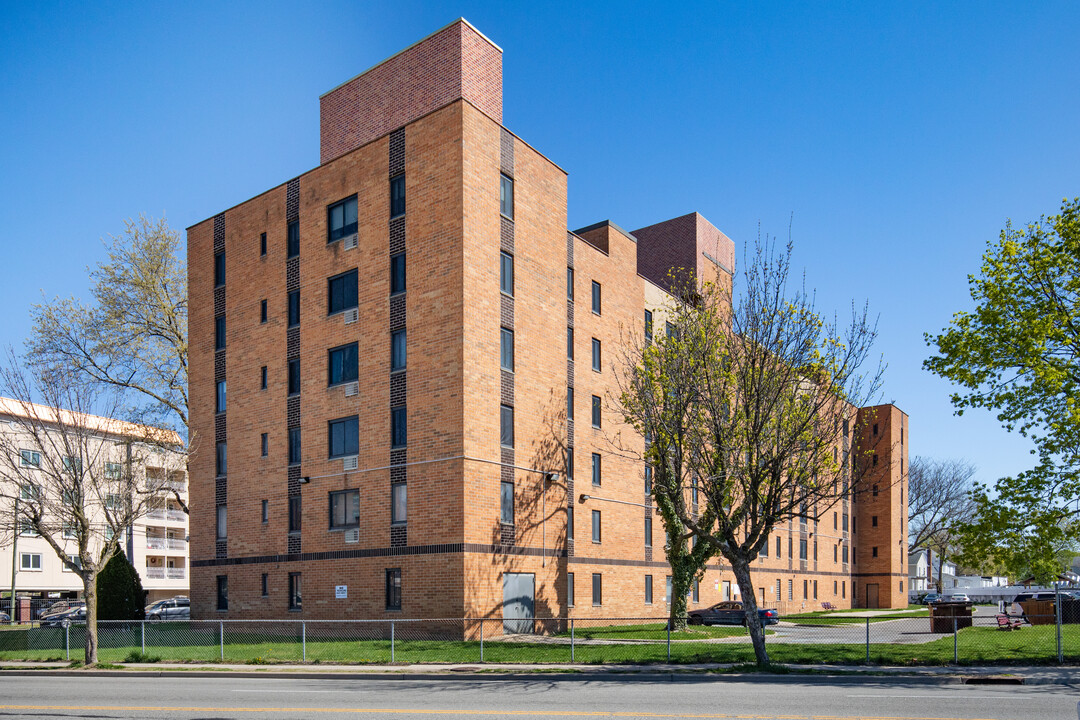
point(897, 638)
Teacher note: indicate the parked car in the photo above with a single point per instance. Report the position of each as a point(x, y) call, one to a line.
point(177, 608)
point(730, 612)
point(957, 597)
point(4, 617)
point(928, 598)
point(73, 616)
point(61, 606)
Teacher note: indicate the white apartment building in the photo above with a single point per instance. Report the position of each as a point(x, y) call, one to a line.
point(156, 544)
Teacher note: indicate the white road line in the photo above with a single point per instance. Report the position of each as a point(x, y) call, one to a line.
point(943, 697)
point(299, 691)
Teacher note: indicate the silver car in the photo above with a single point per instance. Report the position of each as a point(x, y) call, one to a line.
point(177, 608)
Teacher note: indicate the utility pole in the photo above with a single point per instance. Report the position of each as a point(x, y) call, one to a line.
point(14, 553)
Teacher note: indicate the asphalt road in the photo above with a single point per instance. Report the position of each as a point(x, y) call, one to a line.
point(403, 698)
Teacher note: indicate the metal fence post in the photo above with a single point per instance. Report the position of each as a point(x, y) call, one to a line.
point(142, 636)
point(867, 639)
point(571, 639)
point(1057, 619)
point(481, 639)
point(221, 639)
point(303, 638)
point(67, 644)
point(391, 641)
point(669, 641)
point(955, 655)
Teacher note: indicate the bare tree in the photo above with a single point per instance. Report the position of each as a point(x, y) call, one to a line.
point(72, 470)
point(133, 336)
point(939, 502)
point(751, 407)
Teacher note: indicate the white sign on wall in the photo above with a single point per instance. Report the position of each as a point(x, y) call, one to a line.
point(341, 592)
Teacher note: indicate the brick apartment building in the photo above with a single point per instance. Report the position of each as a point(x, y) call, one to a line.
point(412, 341)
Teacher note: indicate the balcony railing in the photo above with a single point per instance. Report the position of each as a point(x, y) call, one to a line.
point(157, 514)
point(175, 515)
point(176, 543)
point(155, 572)
point(176, 573)
point(156, 543)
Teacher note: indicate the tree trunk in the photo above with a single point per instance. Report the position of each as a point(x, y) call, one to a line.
point(741, 569)
point(90, 595)
point(680, 586)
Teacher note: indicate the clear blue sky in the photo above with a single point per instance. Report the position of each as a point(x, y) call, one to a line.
point(900, 137)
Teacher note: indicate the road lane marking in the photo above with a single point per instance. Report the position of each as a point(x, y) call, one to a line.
point(473, 713)
point(943, 697)
point(260, 692)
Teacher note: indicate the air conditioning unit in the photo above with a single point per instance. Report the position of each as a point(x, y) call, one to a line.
point(351, 316)
point(352, 389)
point(352, 536)
point(350, 242)
point(350, 463)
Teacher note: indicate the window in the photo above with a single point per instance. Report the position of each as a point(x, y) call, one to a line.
point(671, 330)
point(596, 468)
point(845, 525)
point(399, 503)
point(294, 446)
point(69, 531)
point(29, 561)
point(344, 437)
point(873, 552)
point(873, 521)
point(834, 521)
point(805, 589)
point(596, 526)
point(71, 560)
point(222, 459)
point(506, 503)
point(570, 284)
point(506, 349)
point(778, 591)
point(294, 308)
point(222, 592)
point(648, 485)
point(341, 292)
point(398, 350)
point(875, 428)
point(648, 326)
point(398, 427)
point(265, 444)
point(790, 545)
point(648, 589)
point(219, 403)
point(569, 402)
point(843, 588)
point(595, 411)
point(292, 243)
point(506, 196)
point(29, 458)
point(835, 558)
point(294, 591)
point(570, 522)
point(802, 549)
point(219, 269)
point(667, 591)
point(696, 592)
point(570, 589)
point(265, 579)
point(397, 195)
point(262, 380)
point(113, 471)
point(569, 343)
point(295, 514)
point(506, 426)
point(219, 332)
point(393, 589)
point(570, 463)
point(113, 501)
point(341, 219)
point(596, 297)
point(342, 364)
point(506, 273)
point(693, 490)
point(294, 377)
point(597, 589)
point(262, 311)
point(844, 553)
point(344, 509)
point(875, 486)
point(26, 528)
point(764, 549)
point(834, 587)
point(815, 589)
point(815, 551)
point(397, 273)
point(648, 531)
point(596, 363)
point(222, 522)
point(265, 513)
point(779, 548)
point(790, 590)
point(262, 245)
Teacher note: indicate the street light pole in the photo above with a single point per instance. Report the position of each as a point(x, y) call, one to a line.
point(14, 553)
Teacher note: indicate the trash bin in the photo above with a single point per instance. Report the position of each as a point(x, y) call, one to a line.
point(942, 614)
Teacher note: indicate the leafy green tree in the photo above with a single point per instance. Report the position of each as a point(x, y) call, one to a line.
point(119, 591)
point(1018, 354)
point(749, 407)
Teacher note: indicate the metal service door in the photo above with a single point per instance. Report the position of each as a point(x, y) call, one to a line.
point(518, 602)
point(872, 595)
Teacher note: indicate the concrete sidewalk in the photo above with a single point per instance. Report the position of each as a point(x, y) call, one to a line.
point(1027, 675)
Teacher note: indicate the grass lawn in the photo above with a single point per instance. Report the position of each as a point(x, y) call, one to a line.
point(173, 643)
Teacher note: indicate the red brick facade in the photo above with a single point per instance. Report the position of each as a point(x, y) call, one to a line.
point(454, 546)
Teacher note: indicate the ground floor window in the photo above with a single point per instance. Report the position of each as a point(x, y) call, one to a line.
point(222, 592)
point(295, 598)
point(393, 589)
